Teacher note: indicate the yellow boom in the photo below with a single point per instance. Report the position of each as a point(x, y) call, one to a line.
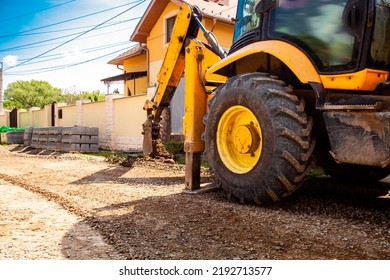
point(184, 50)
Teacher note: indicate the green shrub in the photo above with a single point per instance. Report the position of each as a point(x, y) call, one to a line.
point(174, 147)
point(315, 171)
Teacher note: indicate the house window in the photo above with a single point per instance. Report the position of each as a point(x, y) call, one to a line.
point(169, 23)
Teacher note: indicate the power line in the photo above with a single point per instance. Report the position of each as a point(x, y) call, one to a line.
point(68, 20)
point(61, 56)
point(81, 27)
point(70, 40)
point(25, 46)
point(87, 50)
point(87, 37)
point(38, 11)
point(60, 67)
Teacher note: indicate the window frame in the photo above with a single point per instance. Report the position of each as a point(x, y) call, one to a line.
point(167, 17)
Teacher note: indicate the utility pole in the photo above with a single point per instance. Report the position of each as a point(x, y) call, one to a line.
point(1, 88)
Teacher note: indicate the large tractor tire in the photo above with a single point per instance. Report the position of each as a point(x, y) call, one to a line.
point(258, 138)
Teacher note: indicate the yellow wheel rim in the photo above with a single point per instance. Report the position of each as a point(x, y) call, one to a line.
point(239, 139)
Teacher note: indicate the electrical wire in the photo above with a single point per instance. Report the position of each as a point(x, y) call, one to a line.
point(25, 46)
point(87, 50)
point(79, 39)
point(60, 67)
point(68, 20)
point(76, 28)
point(70, 40)
point(61, 56)
point(54, 68)
point(35, 12)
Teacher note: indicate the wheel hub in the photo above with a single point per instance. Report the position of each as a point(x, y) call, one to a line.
point(239, 139)
point(245, 139)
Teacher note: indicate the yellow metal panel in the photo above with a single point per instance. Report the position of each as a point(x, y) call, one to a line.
point(198, 59)
point(173, 65)
point(366, 79)
point(156, 39)
point(294, 58)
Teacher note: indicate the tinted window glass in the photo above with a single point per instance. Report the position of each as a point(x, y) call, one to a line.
point(317, 27)
point(248, 19)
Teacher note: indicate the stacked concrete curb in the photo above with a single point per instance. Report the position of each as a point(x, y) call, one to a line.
point(54, 140)
point(63, 139)
point(80, 139)
point(39, 137)
point(12, 137)
point(43, 136)
point(27, 137)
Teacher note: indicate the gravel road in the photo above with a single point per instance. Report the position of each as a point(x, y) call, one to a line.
point(70, 206)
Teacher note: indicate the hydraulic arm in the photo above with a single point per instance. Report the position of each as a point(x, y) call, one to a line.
point(186, 55)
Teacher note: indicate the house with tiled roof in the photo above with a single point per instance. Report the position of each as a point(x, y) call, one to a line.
point(141, 64)
point(134, 64)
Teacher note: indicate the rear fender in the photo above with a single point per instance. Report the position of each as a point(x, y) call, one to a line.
point(294, 58)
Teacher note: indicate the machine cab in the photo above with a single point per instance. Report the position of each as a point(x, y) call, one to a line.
point(337, 36)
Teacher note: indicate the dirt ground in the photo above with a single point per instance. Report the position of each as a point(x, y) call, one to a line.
point(69, 206)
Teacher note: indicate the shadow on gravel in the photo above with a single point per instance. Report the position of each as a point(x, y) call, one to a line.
point(323, 220)
point(33, 151)
point(83, 243)
point(115, 173)
point(326, 190)
point(110, 174)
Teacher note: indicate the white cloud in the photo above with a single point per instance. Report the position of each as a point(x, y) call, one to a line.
point(10, 60)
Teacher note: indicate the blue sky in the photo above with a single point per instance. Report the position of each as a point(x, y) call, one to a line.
point(66, 42)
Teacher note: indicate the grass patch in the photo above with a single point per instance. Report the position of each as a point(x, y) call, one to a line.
point(113, 157)
point(107, 154)
point(181, 159)
point(315, 172)
point(174, 147)
point(179, 156)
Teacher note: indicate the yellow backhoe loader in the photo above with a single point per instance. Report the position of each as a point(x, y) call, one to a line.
point(302, 79)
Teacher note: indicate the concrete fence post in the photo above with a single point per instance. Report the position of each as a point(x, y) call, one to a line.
point(5, 118)
point(55, 114)
point(47, 120)
point(19, 120)
point(79, 111)
point(31, 112)
point(110, 120)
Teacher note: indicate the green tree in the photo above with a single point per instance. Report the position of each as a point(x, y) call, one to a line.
point(95, 95)
point(71, 98)
point(26, 94)
point(9, 104)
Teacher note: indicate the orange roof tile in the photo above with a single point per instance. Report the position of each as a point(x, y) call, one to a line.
point(134, 51)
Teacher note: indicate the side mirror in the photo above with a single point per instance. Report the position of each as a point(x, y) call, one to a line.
point(264, 6)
